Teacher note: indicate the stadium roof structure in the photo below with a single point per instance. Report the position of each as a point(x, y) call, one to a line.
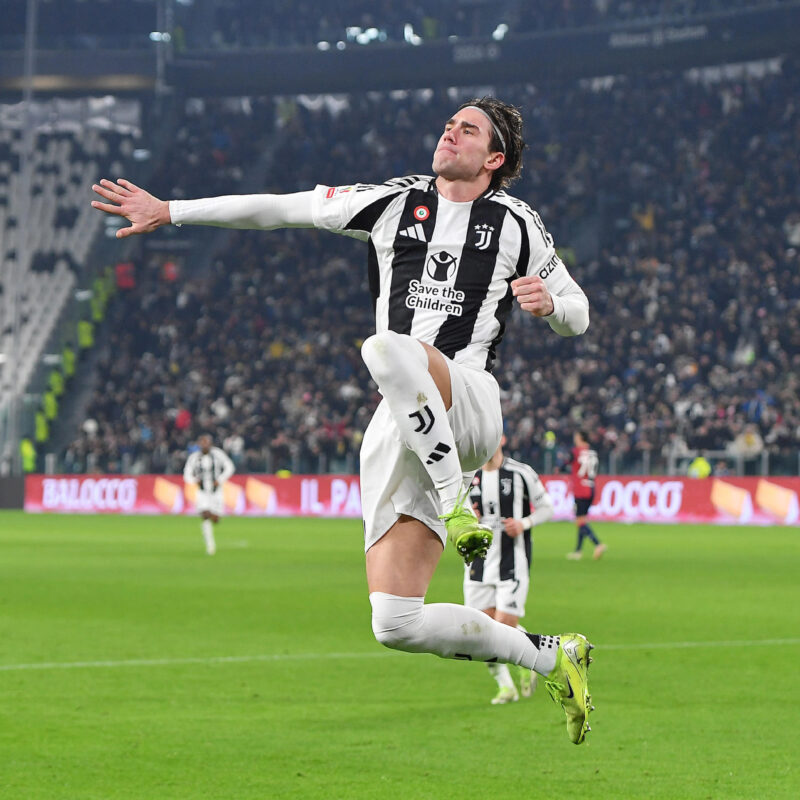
point(699, 40)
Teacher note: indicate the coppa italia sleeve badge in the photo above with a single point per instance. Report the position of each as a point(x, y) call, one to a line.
point(335, 191)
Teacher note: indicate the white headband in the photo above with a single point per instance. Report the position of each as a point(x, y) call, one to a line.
point(493, 124)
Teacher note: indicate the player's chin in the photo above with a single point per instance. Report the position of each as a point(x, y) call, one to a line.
point(446, 167)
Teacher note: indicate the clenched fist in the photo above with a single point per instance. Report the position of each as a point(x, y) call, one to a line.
point(533, 295)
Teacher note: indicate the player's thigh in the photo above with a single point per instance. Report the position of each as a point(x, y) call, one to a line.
point(216, 504)
point(438, 368)
point(475, 416)
point(394, 482)
point(403, 560)
point(582, 506)
point(203, 503)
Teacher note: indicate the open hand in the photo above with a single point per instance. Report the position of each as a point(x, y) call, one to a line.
point(139, 207)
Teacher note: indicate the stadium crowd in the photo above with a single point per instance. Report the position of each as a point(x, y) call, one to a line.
point(687, 190)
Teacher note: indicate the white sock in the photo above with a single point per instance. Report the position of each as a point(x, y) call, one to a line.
point(449, 631)
point(208, 535)
point(548, 649)
point(502, 675)
point(399, 365)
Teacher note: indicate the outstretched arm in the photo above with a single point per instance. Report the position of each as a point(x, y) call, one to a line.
point(146, 213)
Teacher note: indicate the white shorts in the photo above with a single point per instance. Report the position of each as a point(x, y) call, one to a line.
point(210, 501)
point(506, 596)
point(393, 479)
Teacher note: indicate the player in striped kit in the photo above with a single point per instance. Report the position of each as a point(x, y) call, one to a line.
point(208, 468)
point(447, 256)
point(509, 497)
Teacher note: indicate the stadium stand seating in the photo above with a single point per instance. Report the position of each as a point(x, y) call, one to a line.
point(45, 242)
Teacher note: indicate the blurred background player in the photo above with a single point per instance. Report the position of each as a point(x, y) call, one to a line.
point(583, 464)
point(509, 498)
point(208, 468)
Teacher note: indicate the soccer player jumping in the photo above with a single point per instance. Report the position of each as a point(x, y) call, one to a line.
point(447, 256)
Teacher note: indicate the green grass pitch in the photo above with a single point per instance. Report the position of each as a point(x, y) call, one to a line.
point(134, 666)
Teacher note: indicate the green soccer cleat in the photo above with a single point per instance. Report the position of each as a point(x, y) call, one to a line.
point(505, 694)
point(465, 532)
point(568, 683)
point(527, 681)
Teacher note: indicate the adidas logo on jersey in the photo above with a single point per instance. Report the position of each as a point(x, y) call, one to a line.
point(414, 232)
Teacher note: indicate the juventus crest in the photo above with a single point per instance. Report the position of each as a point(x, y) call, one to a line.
point(484, 233)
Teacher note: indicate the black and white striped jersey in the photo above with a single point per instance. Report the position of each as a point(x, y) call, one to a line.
point(440, 271)
point(512, 491)
point(206, 468)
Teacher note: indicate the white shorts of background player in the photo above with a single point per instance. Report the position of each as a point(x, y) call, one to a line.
point(507, 596)
point(210, 501)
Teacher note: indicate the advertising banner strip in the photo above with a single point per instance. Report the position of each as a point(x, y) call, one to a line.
point(758, 501)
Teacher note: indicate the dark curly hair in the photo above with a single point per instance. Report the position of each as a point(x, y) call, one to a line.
point(508, 120)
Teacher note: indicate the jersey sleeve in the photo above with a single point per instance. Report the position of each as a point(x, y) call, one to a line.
point(354, 210)
point(538, 498)
point(570, 315)
point(188, 470)
point(245, 211)
point(227, 466)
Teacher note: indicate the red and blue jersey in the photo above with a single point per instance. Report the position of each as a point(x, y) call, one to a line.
point(583, 464)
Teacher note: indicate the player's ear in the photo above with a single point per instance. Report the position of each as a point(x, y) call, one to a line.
point(495, 161)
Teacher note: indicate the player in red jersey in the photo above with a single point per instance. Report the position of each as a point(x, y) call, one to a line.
point(583, 465)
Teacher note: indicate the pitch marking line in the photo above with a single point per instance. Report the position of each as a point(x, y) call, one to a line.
point(166, 662)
